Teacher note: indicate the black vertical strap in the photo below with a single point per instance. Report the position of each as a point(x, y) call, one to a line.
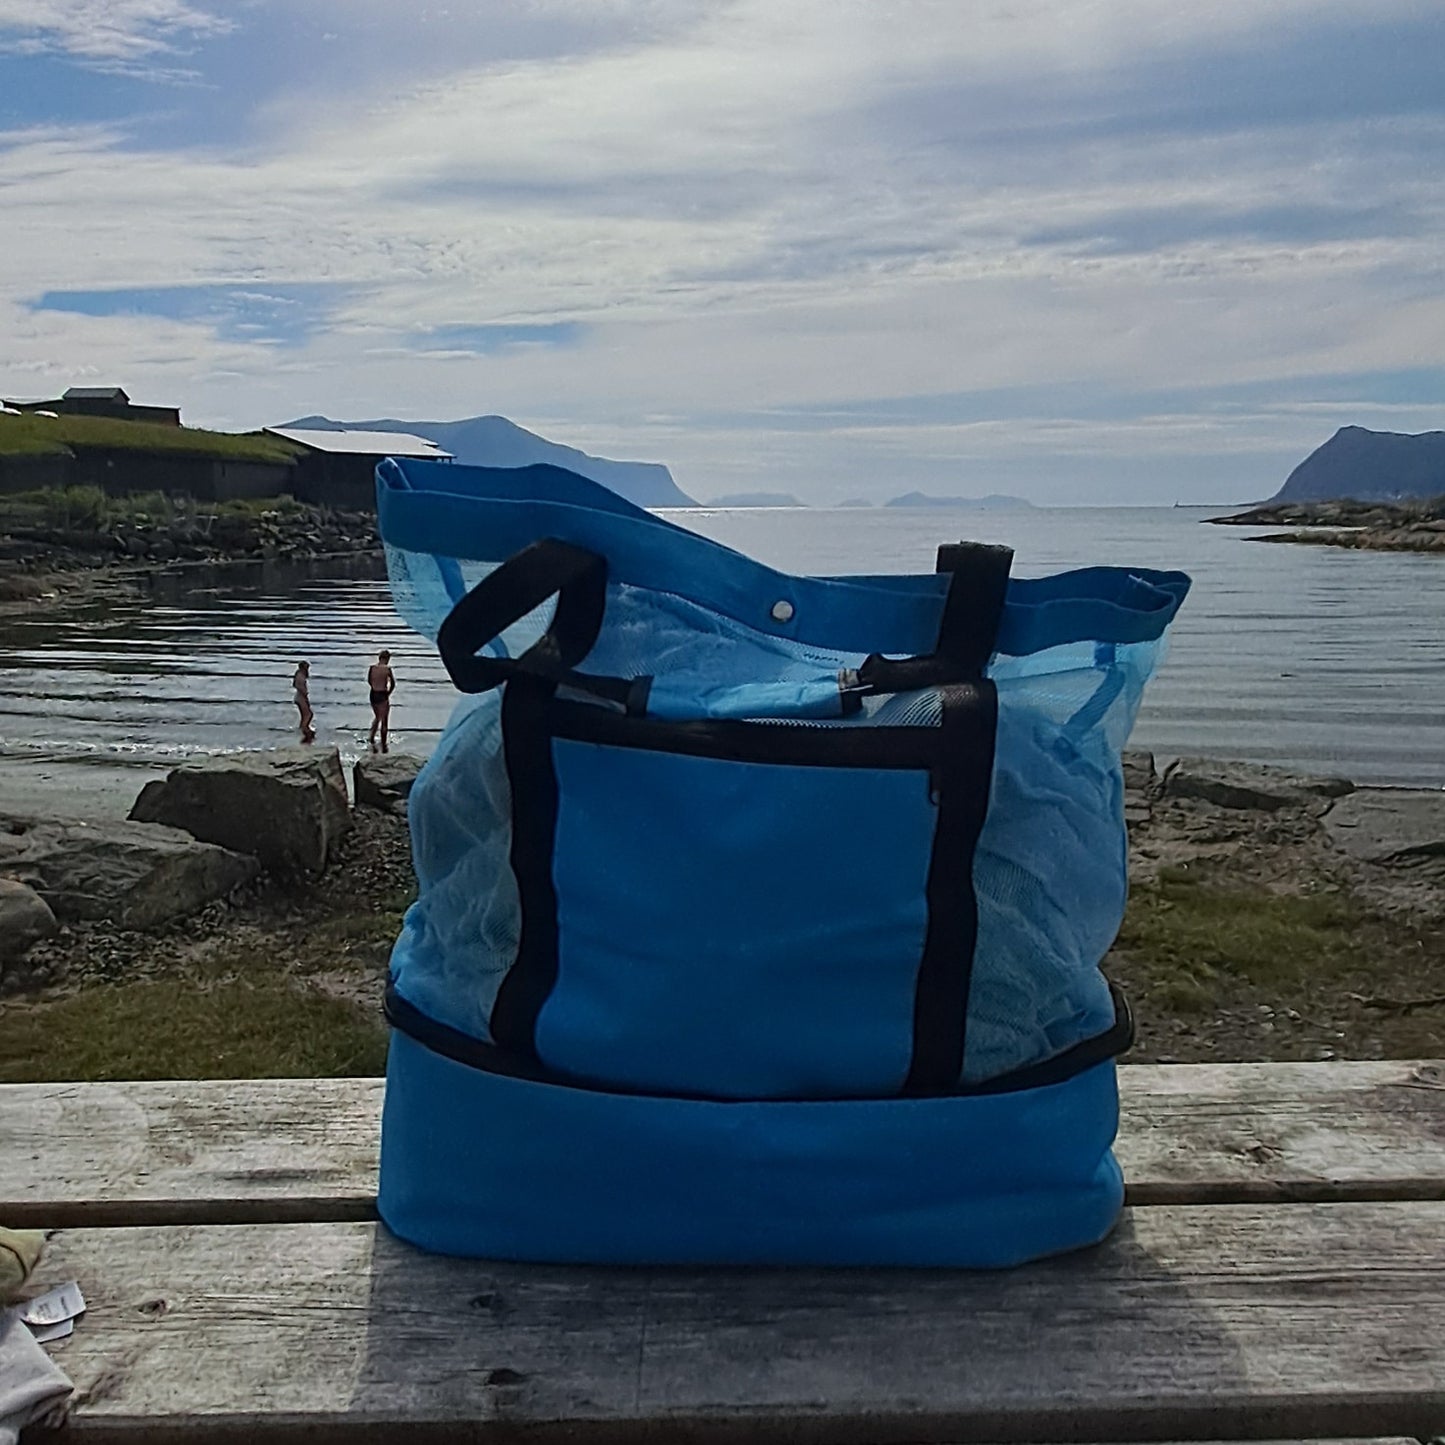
point(977, 589)
point(973, 609)
point(579, 579)
point(527, 746)
point(961, 784)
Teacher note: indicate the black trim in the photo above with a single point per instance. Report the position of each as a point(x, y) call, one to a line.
point(1118, 1038)
point(527, 748)
point(962, 784)
point(474, 1053)
point(790, 744)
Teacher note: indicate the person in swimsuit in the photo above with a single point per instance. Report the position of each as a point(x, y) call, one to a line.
point(382, 683)
point(301, 684)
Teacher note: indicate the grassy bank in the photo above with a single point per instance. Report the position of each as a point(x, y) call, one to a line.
point(265, 1025)
point(283, 981)
point(91, 509)
point(1218, 967)
point(64, 542)
point(31, 435)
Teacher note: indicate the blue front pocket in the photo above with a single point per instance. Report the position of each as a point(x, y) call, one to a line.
point(736, 929)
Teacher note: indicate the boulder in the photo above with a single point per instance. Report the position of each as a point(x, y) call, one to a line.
point(135, 875)
point(1379, 824)
point(288, 807)
point(383, 780)
point(1249, 785)
point(25, 918)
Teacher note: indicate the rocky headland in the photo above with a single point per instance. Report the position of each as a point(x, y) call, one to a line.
point(1366, 490)
point(1372, 466)
point(494, 441)
point(1367, 526)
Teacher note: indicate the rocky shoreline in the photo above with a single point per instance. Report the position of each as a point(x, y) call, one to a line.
point(1271, 916)
point(43, 553)
point(1362, 526)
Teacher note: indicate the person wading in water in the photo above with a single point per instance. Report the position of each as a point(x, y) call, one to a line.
point(301, 683)
point(382, 683)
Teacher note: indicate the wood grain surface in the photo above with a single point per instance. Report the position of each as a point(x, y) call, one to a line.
point(301, 1150)
point(1281, 1321)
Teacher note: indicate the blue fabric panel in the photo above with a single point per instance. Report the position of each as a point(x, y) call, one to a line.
point(751, 938)
point(1103, 604)
point(482, 1165)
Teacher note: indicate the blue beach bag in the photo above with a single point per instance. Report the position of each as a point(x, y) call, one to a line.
point(759, 916)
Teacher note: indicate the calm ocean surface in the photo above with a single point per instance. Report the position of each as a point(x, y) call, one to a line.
point(1311, 657)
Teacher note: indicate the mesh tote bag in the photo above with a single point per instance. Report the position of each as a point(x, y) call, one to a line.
point(759, 916)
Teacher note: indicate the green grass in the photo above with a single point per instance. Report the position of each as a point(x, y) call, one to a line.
point(232, 1028)
point(40, 435)
point(1190, 932)
point(91, 509)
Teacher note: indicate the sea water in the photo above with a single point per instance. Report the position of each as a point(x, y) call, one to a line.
point(1310, 657)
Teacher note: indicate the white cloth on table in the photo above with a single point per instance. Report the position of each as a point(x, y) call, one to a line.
point(32, 1386)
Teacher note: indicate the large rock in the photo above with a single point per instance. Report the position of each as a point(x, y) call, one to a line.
point(1248, 785)
point(383, 780)
point(25, 918)
point(135, 875)
point(1378, 824)
point(287, 807)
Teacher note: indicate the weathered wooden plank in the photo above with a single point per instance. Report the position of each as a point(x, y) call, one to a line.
point(200, 1151)
point(1191, 1323)
point(1235, 1133)
point(284, 1150)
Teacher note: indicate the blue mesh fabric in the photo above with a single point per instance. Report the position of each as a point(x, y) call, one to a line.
point(1050, 870)
point(460, 937)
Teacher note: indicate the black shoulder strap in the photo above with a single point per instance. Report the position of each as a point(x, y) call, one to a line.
point(520, 585)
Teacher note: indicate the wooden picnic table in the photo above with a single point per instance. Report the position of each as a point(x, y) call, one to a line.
point(1280, 1273)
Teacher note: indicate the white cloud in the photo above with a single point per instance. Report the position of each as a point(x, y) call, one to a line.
point(713, 202)
point(106, 33)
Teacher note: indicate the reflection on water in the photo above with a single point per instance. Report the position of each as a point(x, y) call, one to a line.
point(203, 664)
point(1306, 656)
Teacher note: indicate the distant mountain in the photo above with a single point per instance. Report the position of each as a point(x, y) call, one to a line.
point(855, 502)
point(993, 502)
point(493, 441)
point(1369, 466)
point(757, 499)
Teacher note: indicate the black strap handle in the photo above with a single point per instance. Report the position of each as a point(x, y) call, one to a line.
point(523, 583)
point(972, 611)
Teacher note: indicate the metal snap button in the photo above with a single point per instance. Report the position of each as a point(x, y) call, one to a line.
point(782, 611)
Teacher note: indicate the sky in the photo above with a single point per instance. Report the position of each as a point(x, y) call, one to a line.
point(1081, 251)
